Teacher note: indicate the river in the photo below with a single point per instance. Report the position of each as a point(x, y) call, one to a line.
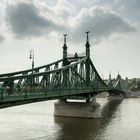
point(120, 121)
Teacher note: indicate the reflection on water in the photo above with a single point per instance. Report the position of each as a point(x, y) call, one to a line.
point(120, 120)
point(86, 129)
point(77, 129)
point(109, 111)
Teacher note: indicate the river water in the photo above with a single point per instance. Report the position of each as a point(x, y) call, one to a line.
point(120, 121)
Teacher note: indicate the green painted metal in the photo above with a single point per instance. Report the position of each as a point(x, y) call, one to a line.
point(68, 78)
point(88, 60)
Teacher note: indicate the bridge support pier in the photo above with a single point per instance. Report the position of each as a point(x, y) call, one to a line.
point(115, 97)
point(77, 109)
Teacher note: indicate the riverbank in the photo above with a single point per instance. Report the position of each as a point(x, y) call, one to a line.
point(128, 94)
point(132, 94)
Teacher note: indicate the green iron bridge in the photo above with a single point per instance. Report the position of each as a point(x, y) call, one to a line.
point(72, 77)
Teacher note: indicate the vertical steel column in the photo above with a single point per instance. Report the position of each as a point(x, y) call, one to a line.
point(47, 78)
point(88, 60)
point(65, 61)
point(32, 58)
point(65, 51)
point(37, 77)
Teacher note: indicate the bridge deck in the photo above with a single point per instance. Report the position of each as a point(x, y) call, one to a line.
point(48, 95)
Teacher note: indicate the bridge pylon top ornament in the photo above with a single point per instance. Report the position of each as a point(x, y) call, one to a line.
point(65, 47)
point(65, 38)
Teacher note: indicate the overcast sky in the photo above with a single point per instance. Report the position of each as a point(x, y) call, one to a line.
point(114, 27)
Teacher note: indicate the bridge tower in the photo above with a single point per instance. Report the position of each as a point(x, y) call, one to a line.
point(65, 61)
point(65, 51)
point(88, 59)
point(90, 108)
point(110, 84)
point(117, 95)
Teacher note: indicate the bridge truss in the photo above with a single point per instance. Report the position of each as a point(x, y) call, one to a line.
point(73, 77)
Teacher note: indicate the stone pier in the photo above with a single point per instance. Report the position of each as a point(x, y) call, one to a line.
point(115, 97)
point(77, 109)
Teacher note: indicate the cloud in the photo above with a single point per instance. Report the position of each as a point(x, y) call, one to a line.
point(25, 20)
point(63, 8)
point(102, 22)
point(30, 20)
point(128, 8)
point(1, 38)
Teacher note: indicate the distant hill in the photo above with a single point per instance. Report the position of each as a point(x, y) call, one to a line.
point(134, 84)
